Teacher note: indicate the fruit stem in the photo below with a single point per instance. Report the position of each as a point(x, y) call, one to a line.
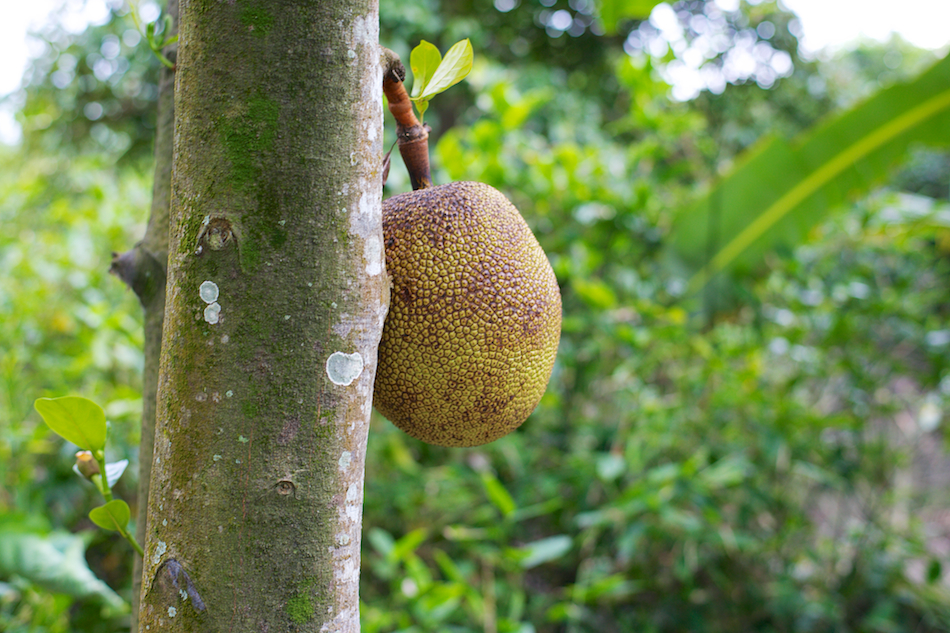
point(412, 136)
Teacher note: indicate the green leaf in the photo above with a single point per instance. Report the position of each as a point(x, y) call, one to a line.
point(611, 12)
point(498, 495)
point(729, 471)
point(455, 66)
point(610, 466)
point(423, 60)
point(112, 516)
point(781, 189)
point(75, 419)
point(545, 550)
point(404, 547)
point(381, 540)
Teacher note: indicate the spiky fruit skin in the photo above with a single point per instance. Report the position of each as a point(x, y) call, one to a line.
point(474, 319)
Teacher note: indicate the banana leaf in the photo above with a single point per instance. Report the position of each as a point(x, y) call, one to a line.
point(779, 190)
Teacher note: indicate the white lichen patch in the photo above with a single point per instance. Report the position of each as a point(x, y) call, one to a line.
point(373, 252)
point(345, 458)
point(347, 573)
point(225, 339)
point(346, 620)
point(353, 508)
point(213, 313)
point(160, 548)
point(354, 512)
point(367, 218)
point(343, 539)
point(367, 205)
point(208, 290)
point(366, 30)
point(172, 612)
point(344, 326)
point(343, 369)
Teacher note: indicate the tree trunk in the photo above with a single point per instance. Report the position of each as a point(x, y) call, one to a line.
point(275, 305)
point(144, 269)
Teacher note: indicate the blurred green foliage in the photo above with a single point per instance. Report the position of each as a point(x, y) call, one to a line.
point(736, 474)
point(66, 328)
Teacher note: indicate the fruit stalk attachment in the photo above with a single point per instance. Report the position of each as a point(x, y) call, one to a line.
point(412, 136)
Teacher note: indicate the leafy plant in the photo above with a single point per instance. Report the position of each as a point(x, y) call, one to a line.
point(83, 422)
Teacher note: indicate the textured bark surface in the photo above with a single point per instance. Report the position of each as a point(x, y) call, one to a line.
point(276, 302)
point(143, 268)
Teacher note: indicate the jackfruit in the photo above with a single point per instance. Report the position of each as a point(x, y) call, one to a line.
point(474, 320)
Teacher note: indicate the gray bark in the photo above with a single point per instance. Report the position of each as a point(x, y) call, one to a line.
point(275, 304)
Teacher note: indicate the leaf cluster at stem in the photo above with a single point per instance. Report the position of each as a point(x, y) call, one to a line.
point(433, 73)
point(83, 422)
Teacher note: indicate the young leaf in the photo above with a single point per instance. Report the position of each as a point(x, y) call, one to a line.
point(75, 419)
point(455, 66)
point(112, 516)
point(423, 60)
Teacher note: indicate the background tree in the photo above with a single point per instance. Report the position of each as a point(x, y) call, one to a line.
point(145, 269)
